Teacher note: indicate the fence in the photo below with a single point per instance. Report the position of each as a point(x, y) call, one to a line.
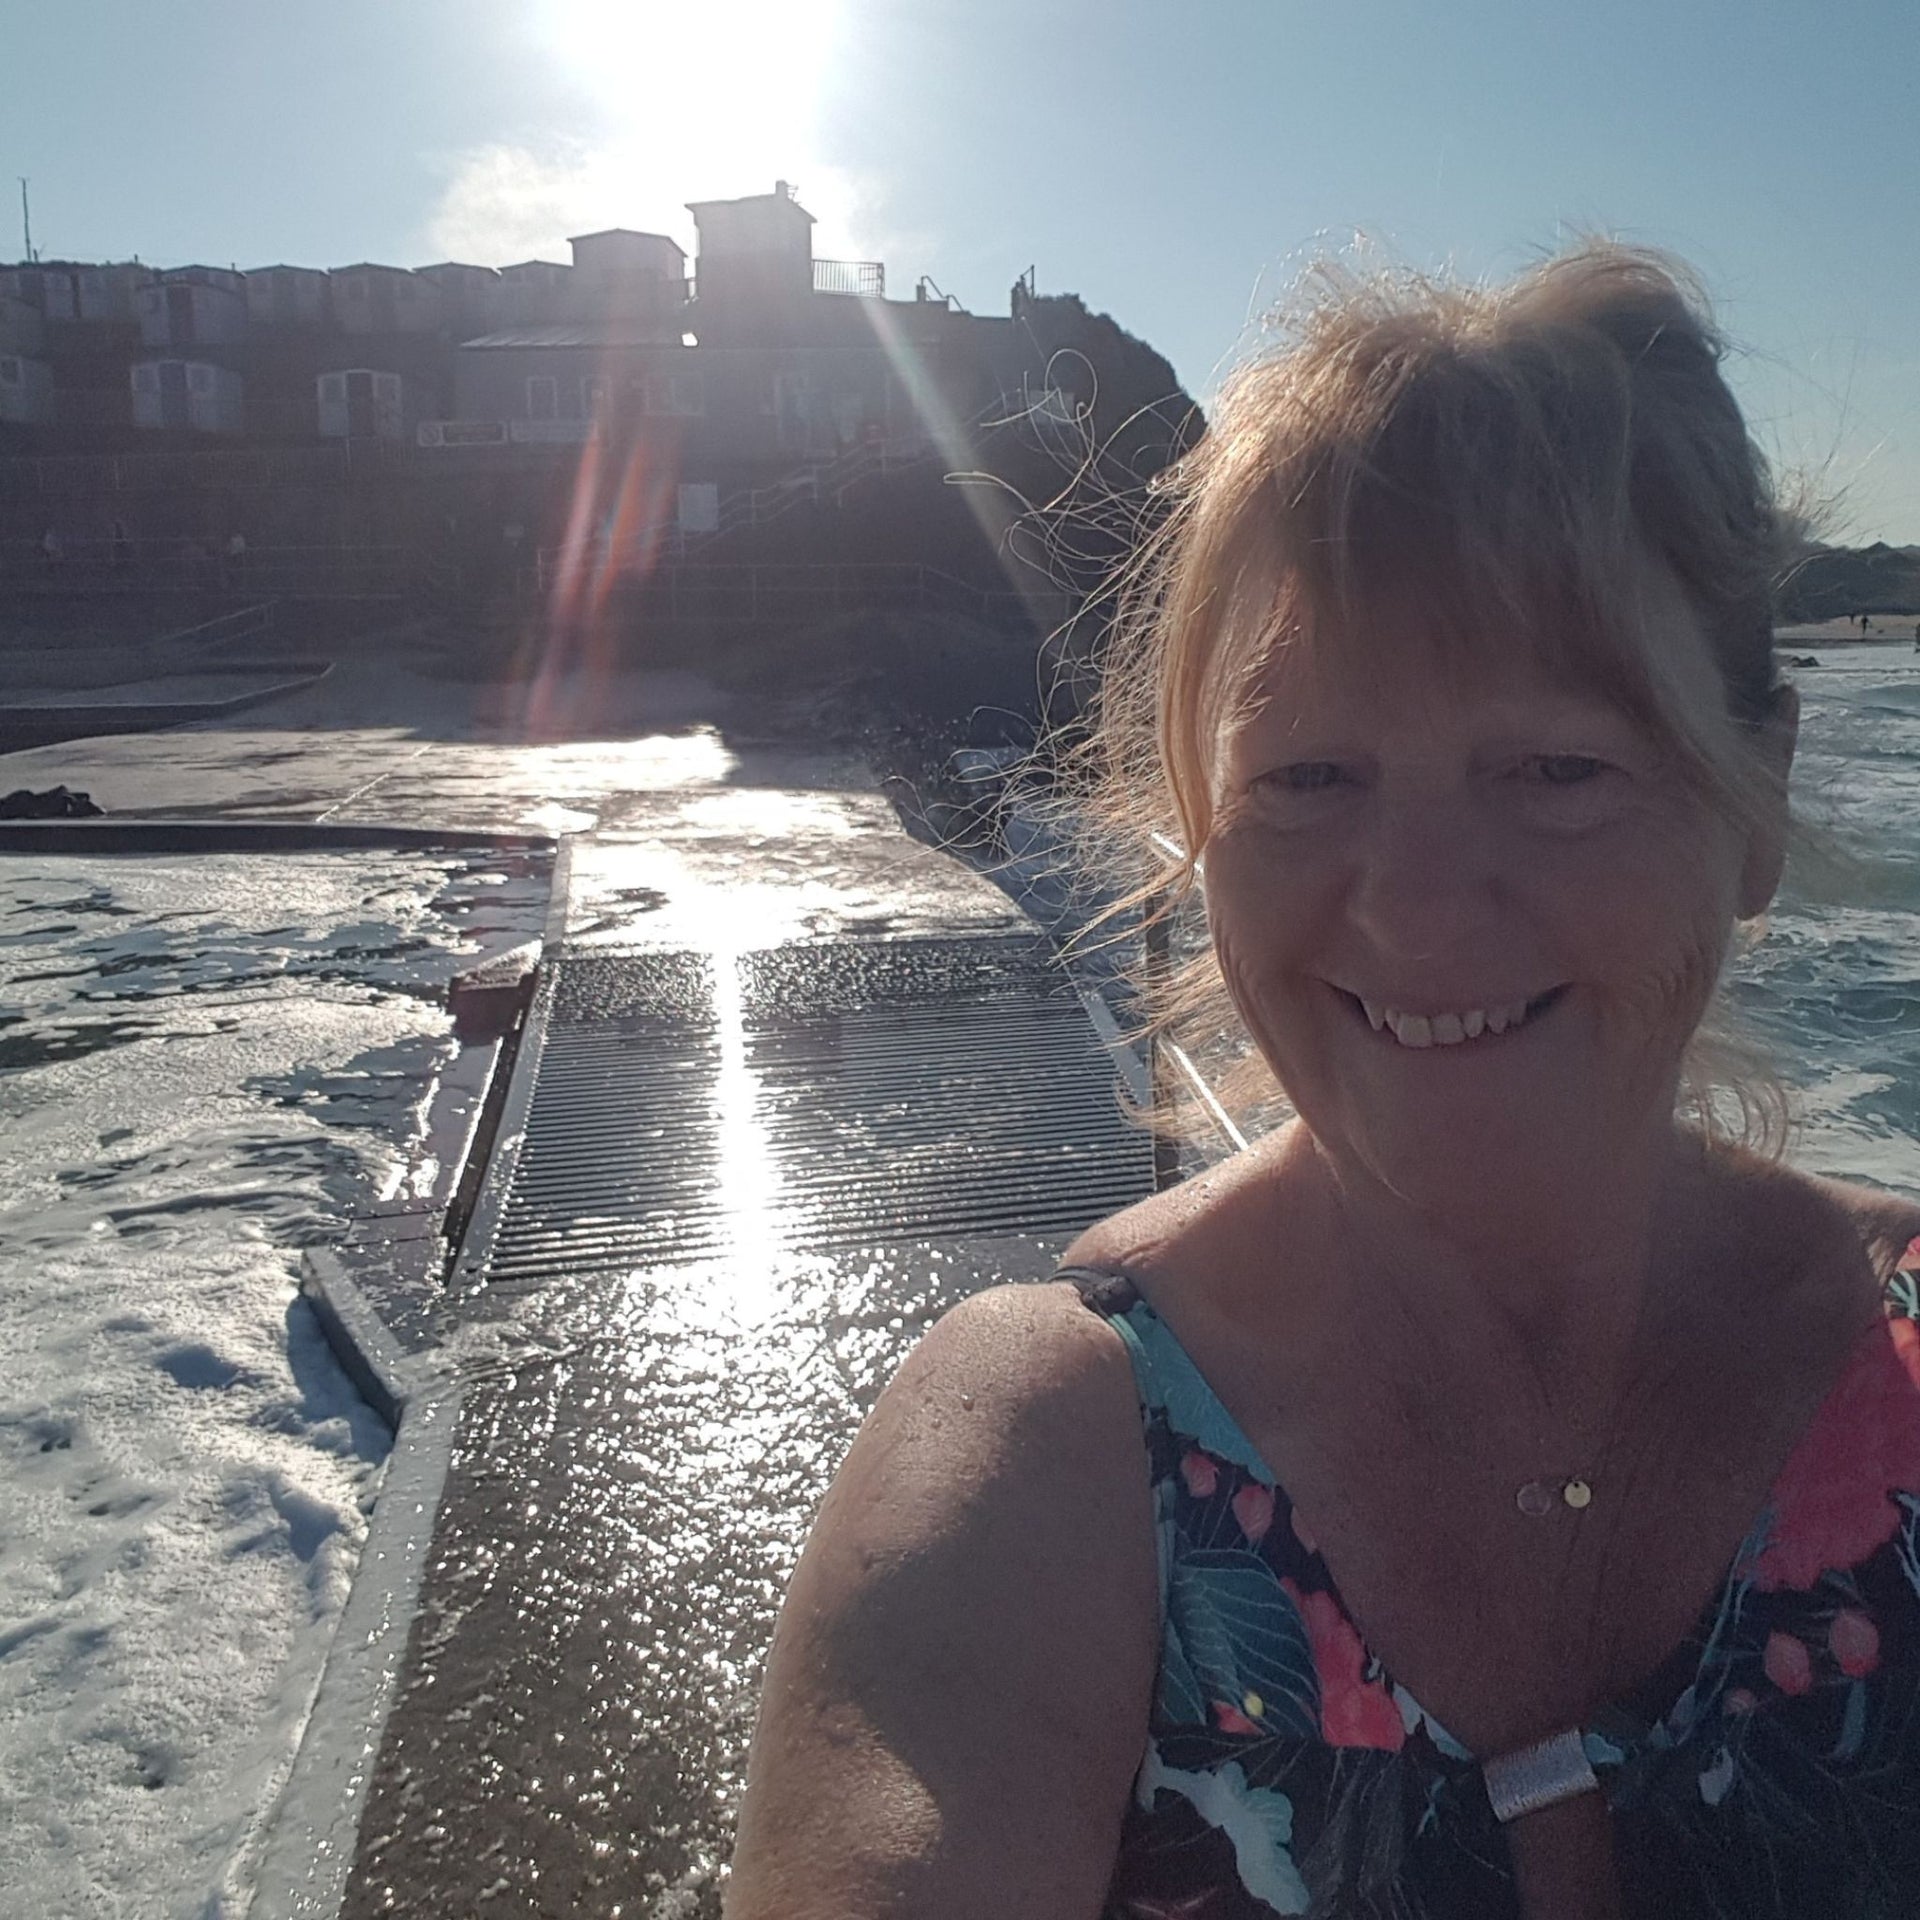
point(241, 470)
point(818, 483)
point(865, 277)
point(135, 566)
point(758, 595)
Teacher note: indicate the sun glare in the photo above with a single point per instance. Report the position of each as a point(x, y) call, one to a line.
point(723, 98)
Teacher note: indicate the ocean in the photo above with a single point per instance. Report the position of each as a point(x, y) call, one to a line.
point(1832, 989)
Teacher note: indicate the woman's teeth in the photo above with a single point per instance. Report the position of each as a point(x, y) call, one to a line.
point(1444, 1029)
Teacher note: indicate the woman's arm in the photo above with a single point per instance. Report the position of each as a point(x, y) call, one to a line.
point(957, 1696)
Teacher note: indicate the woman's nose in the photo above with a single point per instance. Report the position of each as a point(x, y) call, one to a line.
point(1423, 877)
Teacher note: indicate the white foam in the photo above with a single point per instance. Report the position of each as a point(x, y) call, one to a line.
point(183, 1467)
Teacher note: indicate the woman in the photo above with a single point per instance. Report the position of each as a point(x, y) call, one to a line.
point(1528, 1520)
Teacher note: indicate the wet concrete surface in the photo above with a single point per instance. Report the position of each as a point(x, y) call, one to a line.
point(639, 1448)
point(645, 1435)
point(631, 1483)
point(702, 824)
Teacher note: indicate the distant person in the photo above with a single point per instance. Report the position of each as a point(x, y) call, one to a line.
point(233, 559)
point(119, 546)
point(1495, 1491)
point(53, 550)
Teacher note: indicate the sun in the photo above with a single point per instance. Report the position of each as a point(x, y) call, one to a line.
point(710, 99)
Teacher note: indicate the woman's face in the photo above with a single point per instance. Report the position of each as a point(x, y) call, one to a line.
point(1472, 929)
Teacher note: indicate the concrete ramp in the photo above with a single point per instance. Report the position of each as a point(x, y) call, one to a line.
point(732, 1189)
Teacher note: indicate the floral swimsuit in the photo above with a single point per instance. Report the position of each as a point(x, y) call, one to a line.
point(1770, 1767)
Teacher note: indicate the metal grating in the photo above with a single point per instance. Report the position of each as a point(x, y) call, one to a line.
point(813, 1097)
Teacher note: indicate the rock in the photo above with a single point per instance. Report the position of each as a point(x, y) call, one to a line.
point(56, 803)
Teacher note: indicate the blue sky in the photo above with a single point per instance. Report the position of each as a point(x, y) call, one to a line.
point(1173, 161)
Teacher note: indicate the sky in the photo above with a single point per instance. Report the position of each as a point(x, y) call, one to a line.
point(1175, 162)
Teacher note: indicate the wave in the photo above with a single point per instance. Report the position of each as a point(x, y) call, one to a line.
point(1900, 697)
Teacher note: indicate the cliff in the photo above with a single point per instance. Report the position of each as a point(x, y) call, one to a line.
point(1830, 583)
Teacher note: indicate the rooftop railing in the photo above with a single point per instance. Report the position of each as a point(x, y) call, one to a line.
point(866, 277)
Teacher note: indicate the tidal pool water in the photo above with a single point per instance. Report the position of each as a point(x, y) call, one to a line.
point(205, 1065)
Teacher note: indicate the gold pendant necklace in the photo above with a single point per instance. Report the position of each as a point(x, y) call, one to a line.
point(1540, 1497)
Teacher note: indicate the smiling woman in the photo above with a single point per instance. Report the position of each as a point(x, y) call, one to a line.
point(1480, 1555)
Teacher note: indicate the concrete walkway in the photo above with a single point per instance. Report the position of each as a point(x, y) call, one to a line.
point(800, 1046)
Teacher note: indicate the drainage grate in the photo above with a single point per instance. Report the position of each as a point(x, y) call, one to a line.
point(812, 1098)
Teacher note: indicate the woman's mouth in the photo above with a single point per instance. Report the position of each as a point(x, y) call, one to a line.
point(1454, 1029)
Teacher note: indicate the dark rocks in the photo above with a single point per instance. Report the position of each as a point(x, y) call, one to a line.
point(56, 803)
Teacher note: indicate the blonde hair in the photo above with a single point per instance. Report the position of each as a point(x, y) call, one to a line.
point(1501, 463)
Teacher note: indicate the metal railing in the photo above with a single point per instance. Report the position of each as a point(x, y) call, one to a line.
point(209, 636)
point(758, 594)
point(239, 468)
point(818, 483)
point(864, 277)
point(152, 566)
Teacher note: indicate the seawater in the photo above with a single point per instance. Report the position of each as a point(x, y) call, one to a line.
point(205, 1063)
point(1832, 988)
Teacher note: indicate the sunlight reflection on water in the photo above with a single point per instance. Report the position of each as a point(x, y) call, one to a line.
point(745, 1172)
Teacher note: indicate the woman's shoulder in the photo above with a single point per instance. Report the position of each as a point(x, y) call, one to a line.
point(1804, 1226)
point(1792, 1208)
point(1017, 1348)
point(958, 1689)
point(1886, 1224)
point(1207, 1224)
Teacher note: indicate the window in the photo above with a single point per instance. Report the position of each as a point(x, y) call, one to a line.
point(593, 396)
point(146, 378)
point(543, 397)
point(386, 389)
point(199, 378)
point(333, 387)
point(678, 396)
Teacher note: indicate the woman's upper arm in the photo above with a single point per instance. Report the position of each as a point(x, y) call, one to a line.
point(956, 1700)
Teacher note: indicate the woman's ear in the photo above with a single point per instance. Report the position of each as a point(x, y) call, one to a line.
point(1766, 855)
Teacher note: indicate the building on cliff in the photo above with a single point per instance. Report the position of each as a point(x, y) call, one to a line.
point(762, 406)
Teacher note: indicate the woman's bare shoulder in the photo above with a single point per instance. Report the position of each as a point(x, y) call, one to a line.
point(1886, 1223)
point(1807, 1221)
point(958, 1688)
point(1203, 1225)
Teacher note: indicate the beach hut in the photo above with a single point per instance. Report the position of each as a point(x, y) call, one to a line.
point(26, 390)
point(189, 394)
point(360, 403)
point(280, 297)
point(193, 307)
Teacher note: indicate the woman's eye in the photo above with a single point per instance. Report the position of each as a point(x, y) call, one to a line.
point(1564, 769)
point(1304, 776)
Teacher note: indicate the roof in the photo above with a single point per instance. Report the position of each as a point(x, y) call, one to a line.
point(281, 266)
point(457, 266)
point(698, 207)
point(575, 334)
point(369, 266)
point(557, 266)
point(626, 233)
